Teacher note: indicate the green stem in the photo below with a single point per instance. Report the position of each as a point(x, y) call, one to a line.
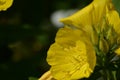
point(109, 75)
point(105, 75)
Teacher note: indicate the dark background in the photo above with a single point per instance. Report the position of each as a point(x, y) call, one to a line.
point(26, 32)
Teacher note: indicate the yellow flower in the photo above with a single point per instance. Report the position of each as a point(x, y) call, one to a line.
point(72, 56)
point(88, 16)
point(5, 4)
point(91, 19)
point(97, 19)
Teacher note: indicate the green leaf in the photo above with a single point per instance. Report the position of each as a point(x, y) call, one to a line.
point(117, 5)
point(32, 78)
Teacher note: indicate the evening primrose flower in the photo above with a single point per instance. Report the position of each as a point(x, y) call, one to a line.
point(100, 21)
point(91, 19)
point(71, 57)
point(5, 4)
point(88, 16)
point(91, 32)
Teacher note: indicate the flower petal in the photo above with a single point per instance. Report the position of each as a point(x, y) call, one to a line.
point(113, 20)
point(5, 4)
point(70, 55)
point(88, 16)
point(117, 51)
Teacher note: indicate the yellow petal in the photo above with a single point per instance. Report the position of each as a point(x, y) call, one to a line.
point(113, 20)
point(117, 51)
point(46, 76)
point(5, 4)
point(88, 16)
point(68, 35)
point(85, 70)
point(70, 55)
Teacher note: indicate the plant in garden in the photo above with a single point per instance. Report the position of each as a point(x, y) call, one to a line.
point(88, 47)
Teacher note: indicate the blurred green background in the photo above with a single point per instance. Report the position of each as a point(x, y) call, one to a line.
point(27, 29)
